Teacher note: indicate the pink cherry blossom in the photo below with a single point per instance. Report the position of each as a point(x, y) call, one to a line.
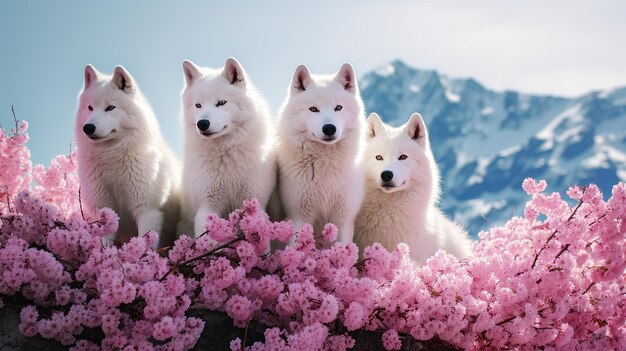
point(552, 279)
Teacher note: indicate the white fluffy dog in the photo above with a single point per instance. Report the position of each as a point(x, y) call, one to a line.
point(227, 143)
point(123, 161)
point(402, 190)
point(320, 131)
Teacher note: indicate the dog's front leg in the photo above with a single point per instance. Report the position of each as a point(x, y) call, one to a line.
point(346, 232)
point(200, 220)
point(149, 219)
point(297, 225)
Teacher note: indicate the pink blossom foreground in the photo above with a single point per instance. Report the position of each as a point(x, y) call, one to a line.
point(551, 283)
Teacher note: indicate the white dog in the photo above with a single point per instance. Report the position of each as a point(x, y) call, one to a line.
point(123, 161)
point(320, 133)
point(227, 144)
point(402, 190)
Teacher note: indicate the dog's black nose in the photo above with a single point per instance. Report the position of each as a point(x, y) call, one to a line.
point(203, 124)
point(329, 129)
point(89, 128)
point(386, 176)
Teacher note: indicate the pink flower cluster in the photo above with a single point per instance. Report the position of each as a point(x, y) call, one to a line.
point(58, 184)
point(53, 256)
point(552, 279)
point(556, 283)
point(15, 173)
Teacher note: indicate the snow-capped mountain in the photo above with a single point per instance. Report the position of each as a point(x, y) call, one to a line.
point(487, 142)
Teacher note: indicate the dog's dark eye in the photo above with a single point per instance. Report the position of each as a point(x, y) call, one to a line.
point(90, 108)
point(338, 108)
point(314, 109)
point(198, 106)
point(379, 158)
point(221, 103)
point(402, 157)
point(109, 108)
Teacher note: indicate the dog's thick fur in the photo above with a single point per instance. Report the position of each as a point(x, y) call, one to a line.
point(123, 161)
point(320, 175)
point(400, 206)
point(231, 159)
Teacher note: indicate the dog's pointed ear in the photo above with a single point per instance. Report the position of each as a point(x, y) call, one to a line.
point(233, 71)
point(345, 77)
point(91, 75)
point(301, 79)
point(191, 72)
point(123, 80)
point(416, 128)
point(375, 125)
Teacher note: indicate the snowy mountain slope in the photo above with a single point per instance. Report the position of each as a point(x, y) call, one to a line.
point(487, 142)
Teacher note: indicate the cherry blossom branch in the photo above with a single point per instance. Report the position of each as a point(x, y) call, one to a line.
point(245, 336)
point(565, 247)
point(212, 251)
point(80, 204)
point(219, 247)
point(8, 201)
point(15, 119)
point(589, 288)
point(553, 235)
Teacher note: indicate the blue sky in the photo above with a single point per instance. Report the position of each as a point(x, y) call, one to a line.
point(556, 47)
